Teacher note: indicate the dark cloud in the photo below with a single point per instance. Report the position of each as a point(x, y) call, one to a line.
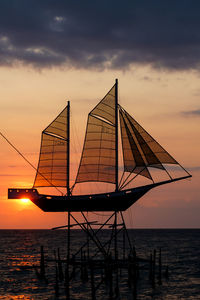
point(100, 34)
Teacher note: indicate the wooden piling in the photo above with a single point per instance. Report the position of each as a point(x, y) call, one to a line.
point(154, 268)
point(124, 244)
point(104, 269)
point(129, 272)
point(73, 275)
point(60, 270)
point(56, 283)
point(93, 293)
point(167, 273)
point(160, 268)
point(110, 281)
point(56, 287)
point(67, 281)
point(116, 282)
point(42, 263)
point(150, 267)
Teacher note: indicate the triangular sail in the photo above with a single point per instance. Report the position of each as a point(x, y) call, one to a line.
point(52, 166)
point(98, 156)
point(133, 161)
point(106, 107)
point(140, 150)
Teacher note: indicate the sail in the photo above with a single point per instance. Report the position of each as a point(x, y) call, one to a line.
point(106, 107)
point(52, 166)
point(140, 149)
point(133, 160)
point(98, 156)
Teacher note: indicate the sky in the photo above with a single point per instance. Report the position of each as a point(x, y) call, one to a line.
point(54, 51)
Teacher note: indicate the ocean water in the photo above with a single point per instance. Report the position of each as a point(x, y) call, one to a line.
point(20, 250)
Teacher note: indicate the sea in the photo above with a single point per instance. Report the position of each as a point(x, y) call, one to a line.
point(20, 251)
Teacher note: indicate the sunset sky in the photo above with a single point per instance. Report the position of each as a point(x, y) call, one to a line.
point(54, 51)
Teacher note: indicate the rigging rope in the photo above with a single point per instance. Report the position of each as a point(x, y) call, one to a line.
point(5, 138)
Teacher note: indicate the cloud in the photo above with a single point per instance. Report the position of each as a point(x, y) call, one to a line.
point(197, 168)
point(192, 113)
point(100, 34)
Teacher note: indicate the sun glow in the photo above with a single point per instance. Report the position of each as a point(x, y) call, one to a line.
point(25, 200)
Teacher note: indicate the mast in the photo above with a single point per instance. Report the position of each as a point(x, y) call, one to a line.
point(68, 194)
point(116, 135)
point(68, 148)
point(116, 171)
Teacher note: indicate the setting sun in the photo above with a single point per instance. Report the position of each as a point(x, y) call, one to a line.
point(25, 200)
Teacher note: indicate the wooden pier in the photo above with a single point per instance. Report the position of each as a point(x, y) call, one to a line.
point(99, 263)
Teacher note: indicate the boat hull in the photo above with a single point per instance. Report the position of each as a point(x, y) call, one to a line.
point(115, 201)
point(102, 202)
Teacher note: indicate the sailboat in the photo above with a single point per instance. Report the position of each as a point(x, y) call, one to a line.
point(99, 161)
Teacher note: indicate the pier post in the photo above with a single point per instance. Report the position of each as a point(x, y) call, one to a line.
point(150, 267)
point(124, 243)
point(154, 268)
point(67, 277)
point(110, 269)
point(56, 283)
point(92, 281)
point(160, 268)
point(42, 264)
point(60, 270)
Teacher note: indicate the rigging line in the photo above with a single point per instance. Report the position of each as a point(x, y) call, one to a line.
point(142, 143)
point(121, 186)
point(93, 235)
point(147, 143)
point(137, 153)
point(159, 145)
point(96, 232)
point(167, 172)
point(125, 183)
point(137, 140)
point(121, 178)
point(3, 136)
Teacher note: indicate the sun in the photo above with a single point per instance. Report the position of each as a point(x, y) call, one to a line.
point(25, 200)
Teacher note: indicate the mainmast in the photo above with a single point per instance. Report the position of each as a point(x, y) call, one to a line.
point(116, 135)
point(68, 194)
point(68, 148)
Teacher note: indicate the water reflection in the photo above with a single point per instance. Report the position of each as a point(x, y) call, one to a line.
point(20, 250)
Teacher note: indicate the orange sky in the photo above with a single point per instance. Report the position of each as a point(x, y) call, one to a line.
point(163, 103)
